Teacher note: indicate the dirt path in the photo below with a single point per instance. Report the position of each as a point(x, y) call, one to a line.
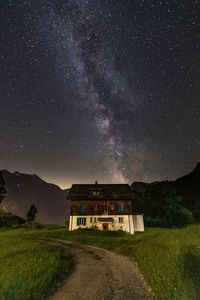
point(100, 275)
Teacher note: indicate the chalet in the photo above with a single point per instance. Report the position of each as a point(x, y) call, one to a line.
point(103, 206)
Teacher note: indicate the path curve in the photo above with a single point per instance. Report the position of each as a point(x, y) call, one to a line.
point(100, 275)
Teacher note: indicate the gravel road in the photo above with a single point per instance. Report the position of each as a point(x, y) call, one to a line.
point(100, 275)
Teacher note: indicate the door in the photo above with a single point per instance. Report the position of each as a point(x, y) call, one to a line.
point(105, 226)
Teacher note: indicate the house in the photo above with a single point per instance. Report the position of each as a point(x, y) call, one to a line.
point(103, 206)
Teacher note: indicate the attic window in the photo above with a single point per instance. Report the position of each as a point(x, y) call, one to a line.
point(95, 193)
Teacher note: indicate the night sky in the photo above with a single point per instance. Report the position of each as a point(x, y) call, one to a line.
point(100, 89)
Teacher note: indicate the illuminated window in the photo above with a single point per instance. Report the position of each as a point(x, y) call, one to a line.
point(95, 193)
point(121, 220)
point(81, 221)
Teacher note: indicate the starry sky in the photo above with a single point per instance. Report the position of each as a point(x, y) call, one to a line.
point(100, 89)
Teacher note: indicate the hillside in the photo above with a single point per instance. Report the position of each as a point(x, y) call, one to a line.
point(188, 187)
point(24, 190)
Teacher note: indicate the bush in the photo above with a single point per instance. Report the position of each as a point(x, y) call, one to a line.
point(5, 219)
point(37, 225)
point(183, 217)
point(164, 208)
point(8, 219)
point(196, 214)
point(180, 217)
point(154, 222)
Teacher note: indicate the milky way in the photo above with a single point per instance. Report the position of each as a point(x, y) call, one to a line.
point(105, 90)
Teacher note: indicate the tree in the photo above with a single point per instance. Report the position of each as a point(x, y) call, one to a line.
point(163, 207)
point(183, 217)
point(172, 204)
point(176, 214)
point(2, 188)
point(31, 214)
point(5, 219)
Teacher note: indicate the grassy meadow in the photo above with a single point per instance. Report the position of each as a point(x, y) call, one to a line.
point(28, 269)
point(168, 258)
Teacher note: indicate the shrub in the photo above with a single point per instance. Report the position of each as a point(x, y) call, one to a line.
point(8, 220)
point(196, 214)
point(164, 207)
point(154, 222)
point(183, 217)
point(5, 219)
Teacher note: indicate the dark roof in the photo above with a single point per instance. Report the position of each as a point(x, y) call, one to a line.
point(84, 191)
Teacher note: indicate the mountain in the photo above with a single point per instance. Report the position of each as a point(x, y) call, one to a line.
point(188, 187)
point(24, 190)
point(139, 187)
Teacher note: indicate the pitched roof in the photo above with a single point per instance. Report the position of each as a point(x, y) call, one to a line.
point(84, 191)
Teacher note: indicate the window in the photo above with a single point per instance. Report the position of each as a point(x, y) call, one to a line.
point(95, 219)
point(104, 207)
point(82, 208)
point(121, 220)
point(96, 193)
point(81, 221)
point(91, 219)
point(120, 207)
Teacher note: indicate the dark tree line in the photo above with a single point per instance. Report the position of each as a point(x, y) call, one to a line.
point(163, 207)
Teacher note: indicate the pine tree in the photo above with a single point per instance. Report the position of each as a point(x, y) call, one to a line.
point(31, 214)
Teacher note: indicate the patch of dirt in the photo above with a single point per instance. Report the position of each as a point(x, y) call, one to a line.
point(100, 275)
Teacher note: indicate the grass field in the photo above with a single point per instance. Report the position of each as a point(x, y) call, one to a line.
point(28, 269)
point(168, 258)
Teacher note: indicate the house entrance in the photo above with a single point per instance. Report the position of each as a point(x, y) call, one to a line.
point(105, 226)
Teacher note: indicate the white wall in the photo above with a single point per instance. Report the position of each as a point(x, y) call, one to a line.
point(138, 222)
point(127, 224)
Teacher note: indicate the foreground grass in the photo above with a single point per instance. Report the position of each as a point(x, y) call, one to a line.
point(28, 269)
point(168, 258)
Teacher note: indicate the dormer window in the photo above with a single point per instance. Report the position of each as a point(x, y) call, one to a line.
point(96, 193)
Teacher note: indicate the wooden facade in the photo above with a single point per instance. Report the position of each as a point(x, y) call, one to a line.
point(103, 206)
